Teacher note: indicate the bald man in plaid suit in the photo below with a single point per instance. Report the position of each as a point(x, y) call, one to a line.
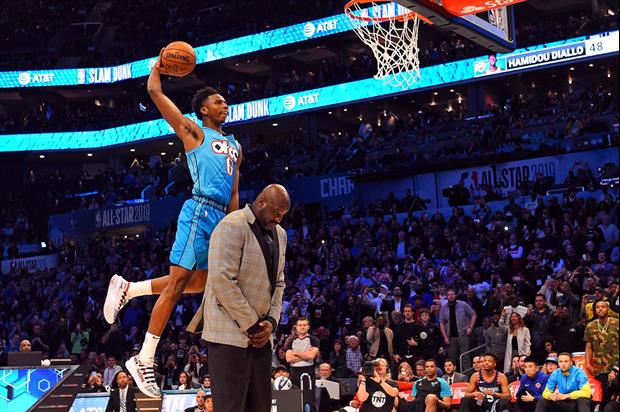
point(242, 301)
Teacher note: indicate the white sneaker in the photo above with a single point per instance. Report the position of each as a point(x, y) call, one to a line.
point(143, 376)
point(116, 298)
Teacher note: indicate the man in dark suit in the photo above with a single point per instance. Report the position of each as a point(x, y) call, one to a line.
point(122, 399)
point(242, 301)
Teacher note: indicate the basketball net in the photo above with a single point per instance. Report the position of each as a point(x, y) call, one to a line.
point(391, 32)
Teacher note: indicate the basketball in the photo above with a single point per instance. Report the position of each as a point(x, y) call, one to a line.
point(178, 59)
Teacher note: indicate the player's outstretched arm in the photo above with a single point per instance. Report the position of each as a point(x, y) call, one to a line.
point(187, 130)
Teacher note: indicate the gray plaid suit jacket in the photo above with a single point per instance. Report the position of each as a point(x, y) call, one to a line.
point(238, 290)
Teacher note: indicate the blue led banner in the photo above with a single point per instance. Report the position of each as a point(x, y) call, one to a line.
point(204, 54)
point(561, 52)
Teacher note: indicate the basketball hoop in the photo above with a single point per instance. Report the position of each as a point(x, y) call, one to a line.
point(395, 44)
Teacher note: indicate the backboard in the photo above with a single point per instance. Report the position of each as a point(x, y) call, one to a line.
point(492, 28)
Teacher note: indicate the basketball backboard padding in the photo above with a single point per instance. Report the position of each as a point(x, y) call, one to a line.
point(432, 11)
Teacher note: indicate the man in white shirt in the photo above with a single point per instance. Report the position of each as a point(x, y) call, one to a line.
point(303, 351)
point(110, 372)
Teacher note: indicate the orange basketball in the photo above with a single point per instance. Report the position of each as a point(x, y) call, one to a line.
point(178, 59)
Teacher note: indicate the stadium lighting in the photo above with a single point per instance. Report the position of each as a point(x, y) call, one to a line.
point(41, 156)
point(89, 154)
point(275, 124)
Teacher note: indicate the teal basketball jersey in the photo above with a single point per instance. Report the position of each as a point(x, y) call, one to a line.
point(212, 166)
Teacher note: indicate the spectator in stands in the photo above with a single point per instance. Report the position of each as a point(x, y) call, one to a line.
point(170, 372)
point(380, 339)
point(539, 321)
point(551, 364)
point(567, 389)
point(456, 322)
point(601, 337)
point(206, 382)
point(613, 405)
point(531, 386)
point(513, 306)
point(109, 373)
point(428, 336)
point(204, 403)
point(420, 369)
point(495, 337)
point(568, 333)
point(515, 373)
point(518, 340)
point(405, 373)
point(14, 343)
point(193, 367)
point(451, 375)
point(186, 382)
point(404, 346)
point(95, 383)
point(610, 232)
point(476, 365)
point(25, 346)
point(338, 360)
point(354, 354)
point(38, 340)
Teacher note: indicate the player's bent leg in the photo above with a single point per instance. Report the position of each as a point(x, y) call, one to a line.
point(121, 291)
point(141, 365)
point(197, 282)
point(178, 279)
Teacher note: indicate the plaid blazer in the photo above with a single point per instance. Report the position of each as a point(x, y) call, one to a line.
point(238, 291)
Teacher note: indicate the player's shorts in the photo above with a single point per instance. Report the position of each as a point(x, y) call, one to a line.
point(197, 219)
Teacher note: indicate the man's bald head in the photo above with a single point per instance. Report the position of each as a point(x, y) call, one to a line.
point(25, 346)
point(270, 206)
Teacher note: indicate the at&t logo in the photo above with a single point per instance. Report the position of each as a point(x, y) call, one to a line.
point(309, 29)
point(289, 102)
point(26, 78)
point(23, 78)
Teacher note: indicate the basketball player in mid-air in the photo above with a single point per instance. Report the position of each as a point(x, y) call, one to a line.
point(213, 159)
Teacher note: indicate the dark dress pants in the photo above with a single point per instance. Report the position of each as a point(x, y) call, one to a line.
point(569, 405)
point(240, 378)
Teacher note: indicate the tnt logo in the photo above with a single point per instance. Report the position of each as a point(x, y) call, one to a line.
point(378, 399)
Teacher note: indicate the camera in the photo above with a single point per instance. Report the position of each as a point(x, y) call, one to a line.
point(368, 369)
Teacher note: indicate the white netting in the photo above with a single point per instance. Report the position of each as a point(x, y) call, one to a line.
point(394, 43)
